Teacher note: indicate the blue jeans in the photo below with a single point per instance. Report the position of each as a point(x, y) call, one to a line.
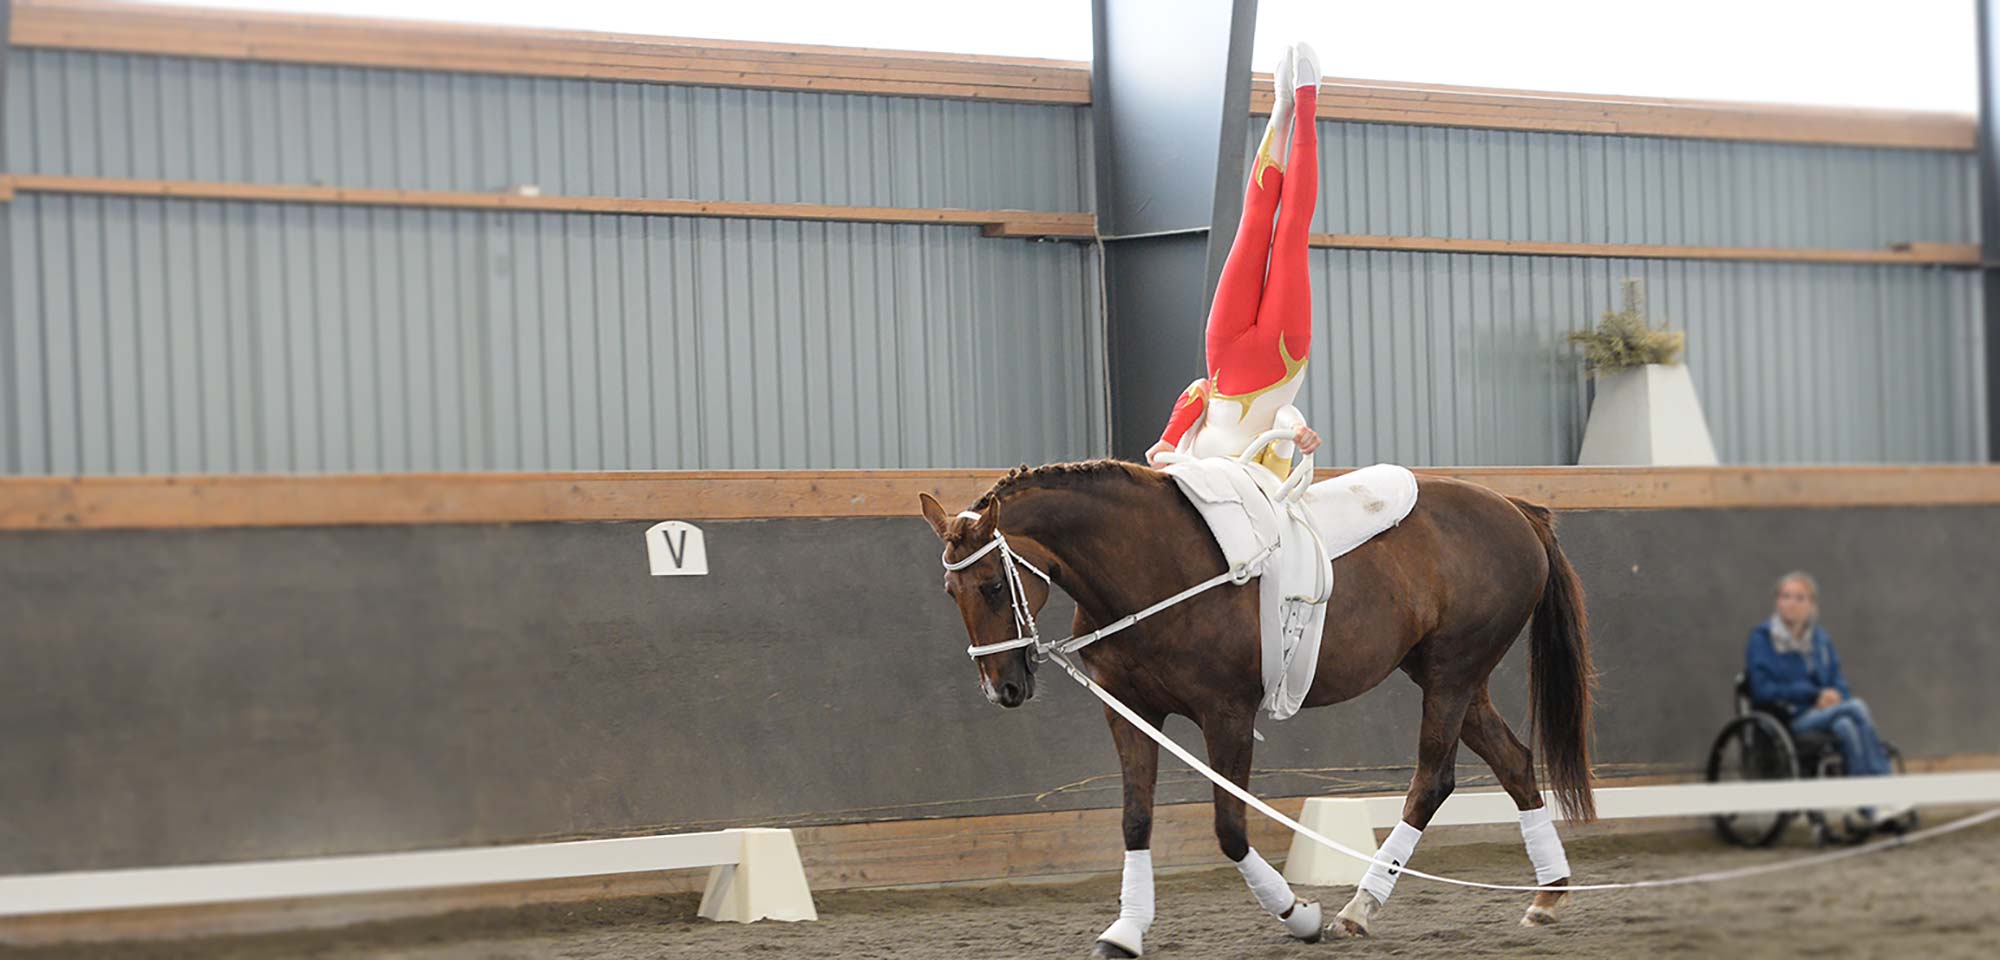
point(1854, 728)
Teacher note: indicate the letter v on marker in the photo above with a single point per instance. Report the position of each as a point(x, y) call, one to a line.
point(675, 551)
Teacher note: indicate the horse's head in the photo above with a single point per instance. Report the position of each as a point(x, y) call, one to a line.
point(998, 595)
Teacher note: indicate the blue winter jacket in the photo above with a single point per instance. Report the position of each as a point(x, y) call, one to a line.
point(1792, 678)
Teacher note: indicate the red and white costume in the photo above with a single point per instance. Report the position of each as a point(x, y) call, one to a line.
point(1260, 327)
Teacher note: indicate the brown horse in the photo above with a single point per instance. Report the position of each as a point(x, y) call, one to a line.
point(1442, 596)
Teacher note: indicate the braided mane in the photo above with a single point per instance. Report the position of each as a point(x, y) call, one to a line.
point(1052, 475)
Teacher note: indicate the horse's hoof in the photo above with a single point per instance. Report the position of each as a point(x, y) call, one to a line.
point(1353, 919)
point(1305, 922)
point(1538, 916)
point(1106, 948)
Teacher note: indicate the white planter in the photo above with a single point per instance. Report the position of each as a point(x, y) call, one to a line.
point(1647, 416)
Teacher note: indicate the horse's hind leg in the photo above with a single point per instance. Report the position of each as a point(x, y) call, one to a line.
point(1437, 752)
point(1229, 748)
point(1489, 736)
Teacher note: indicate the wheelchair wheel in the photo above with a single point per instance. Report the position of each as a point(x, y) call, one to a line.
point(1752, 747)
point(1847, 828)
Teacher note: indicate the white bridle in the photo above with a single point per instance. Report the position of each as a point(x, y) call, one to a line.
point(1027, 634)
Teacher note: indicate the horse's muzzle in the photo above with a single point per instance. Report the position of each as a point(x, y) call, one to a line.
point(1013, 693)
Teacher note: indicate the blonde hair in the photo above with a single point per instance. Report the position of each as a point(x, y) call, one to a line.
point(1799, 576)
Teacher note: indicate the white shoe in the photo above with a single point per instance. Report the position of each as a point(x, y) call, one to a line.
point(1890, 813)
point(1305, 66)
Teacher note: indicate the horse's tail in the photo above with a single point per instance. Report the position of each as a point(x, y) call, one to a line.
point(1562, 676)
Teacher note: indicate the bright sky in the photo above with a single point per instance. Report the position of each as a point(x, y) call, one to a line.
point(1911, 54)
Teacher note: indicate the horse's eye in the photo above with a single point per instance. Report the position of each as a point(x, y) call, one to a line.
point(991, 588)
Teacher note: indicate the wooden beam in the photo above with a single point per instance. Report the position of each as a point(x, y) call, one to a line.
point(1011, 223)
point(1938, 254)
point(1451, 106)
point(235, 35)
point(1060, 225)
point(196, 502)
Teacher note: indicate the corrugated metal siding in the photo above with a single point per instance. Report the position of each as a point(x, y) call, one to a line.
point(175, 118)
point(1453, 359)
point(152, 336)
point(1585, 188)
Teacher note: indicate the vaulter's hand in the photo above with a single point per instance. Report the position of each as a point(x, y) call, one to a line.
point(1307, 440)
point(1153, 454)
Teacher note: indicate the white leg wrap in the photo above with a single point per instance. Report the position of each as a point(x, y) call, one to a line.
point(1266, 884)
point(1545, 849)
point(1380, 881)
point(1135, 905)
point(1135, 898)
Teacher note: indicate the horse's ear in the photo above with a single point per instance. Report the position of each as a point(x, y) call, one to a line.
point(934, 513)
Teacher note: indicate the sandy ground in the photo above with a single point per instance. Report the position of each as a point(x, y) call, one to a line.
point(1938, 899)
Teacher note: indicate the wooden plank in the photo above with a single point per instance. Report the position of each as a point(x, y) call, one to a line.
point(223, 19)
point(1035, 223)
point(168, 31)
point(1932, 254)
point(196, 502)
point(994, 223)
point(1441, 105)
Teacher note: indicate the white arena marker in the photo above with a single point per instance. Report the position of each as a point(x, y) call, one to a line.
point(676, 549)
point(755, 875)
point(1354, 820)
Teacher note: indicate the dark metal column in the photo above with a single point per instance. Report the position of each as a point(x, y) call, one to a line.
point(10, 453)
point(1170, 102)
point(1989, 210)
point(6, 41)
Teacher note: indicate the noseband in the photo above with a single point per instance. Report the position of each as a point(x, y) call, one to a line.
point(1027, 634)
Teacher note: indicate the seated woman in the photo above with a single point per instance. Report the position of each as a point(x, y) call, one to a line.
point(1791, 663)
point(1260, 327)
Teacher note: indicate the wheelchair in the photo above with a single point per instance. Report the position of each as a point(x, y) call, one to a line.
point(1759, 745)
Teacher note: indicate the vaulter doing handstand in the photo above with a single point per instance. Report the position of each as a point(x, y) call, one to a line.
point(1260, 326)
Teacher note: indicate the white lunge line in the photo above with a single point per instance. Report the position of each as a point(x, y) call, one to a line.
point(1711, 877)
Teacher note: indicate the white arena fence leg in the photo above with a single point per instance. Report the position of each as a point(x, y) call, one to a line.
point(767, 883)
point(1339, 818)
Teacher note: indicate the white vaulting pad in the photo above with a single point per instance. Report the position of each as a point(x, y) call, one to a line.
point(1235, 501)
point(1352, 508)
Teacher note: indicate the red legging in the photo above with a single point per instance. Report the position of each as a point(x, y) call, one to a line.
point(1255, 311)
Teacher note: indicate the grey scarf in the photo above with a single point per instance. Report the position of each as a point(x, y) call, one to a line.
point(1783, 641)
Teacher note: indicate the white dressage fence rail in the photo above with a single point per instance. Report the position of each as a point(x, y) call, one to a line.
point(1354, 820)
point(755, 875)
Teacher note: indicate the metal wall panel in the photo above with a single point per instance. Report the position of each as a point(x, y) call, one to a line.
point(177, 118)
point(151, 336)
point(1406, 181)
point(1454, 359)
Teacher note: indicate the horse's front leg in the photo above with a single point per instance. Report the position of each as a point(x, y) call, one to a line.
point(1139, 761)
point(1229, 740)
